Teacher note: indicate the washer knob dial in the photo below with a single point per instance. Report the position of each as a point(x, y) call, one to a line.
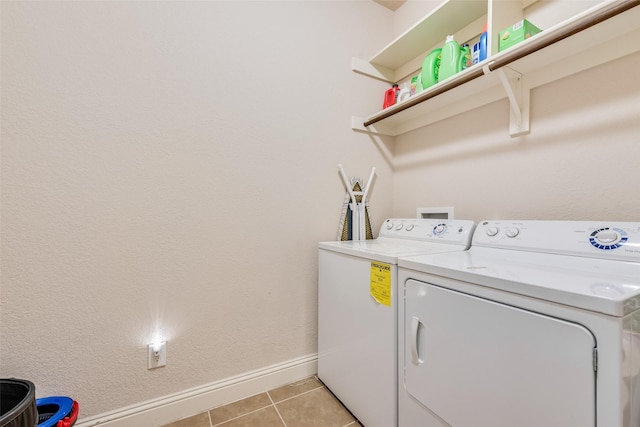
point(439, 229)
point(409, 227)
point(389, 225)
point(492, 231)
point(512, 232)
point(399, 226)
point(608, 238)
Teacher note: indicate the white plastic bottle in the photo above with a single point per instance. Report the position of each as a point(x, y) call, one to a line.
point(405, 92)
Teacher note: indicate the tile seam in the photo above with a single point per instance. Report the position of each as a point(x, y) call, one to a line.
point(240, 416)
point(297, 395)
point(276, 408)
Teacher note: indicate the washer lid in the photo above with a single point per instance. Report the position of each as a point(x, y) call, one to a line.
point(408, 236)
point(606, 286)
point(387, 250)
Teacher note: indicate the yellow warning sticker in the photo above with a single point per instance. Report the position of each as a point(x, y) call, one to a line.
point(380, 283)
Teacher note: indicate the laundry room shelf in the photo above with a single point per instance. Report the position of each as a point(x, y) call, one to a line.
point(404, 55)
point(593, 37)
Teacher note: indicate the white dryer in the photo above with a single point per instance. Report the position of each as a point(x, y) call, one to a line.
point(537, 324)
point(357, 311)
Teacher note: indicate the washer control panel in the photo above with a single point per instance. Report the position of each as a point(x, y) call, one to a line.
point(615, 240)
point(433, 230)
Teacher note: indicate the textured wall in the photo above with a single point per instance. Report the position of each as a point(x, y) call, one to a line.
point(168, 168)
point(579, 162)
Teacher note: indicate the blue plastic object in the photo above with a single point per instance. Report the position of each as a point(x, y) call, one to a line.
point(483, 44)
point(53, 409)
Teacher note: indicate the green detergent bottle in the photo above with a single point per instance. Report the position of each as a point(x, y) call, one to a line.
point(465, 58)
point(450, 62)
point(430, 68)
point(419, 87)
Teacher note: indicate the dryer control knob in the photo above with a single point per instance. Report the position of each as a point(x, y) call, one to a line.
point(512, 232)
point(492, 231)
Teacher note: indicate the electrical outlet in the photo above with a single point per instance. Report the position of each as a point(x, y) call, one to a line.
point(157, 355)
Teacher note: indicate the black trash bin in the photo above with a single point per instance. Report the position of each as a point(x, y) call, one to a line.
point(17, 403)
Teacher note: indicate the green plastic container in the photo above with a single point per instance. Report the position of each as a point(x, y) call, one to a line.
point(450, 62)
point(430, 68)
point(465, 58)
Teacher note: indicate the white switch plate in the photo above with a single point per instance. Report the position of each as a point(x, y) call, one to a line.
point(157, 355)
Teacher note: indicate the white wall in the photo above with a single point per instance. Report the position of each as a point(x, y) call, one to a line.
point(170, 167)
point(579, 162)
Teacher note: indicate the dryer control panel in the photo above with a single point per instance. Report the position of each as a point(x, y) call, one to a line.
point(429, 230)
point(607, 240)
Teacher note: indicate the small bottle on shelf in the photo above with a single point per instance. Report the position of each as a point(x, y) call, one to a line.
point(482, 54)
point(390, 96)
point(465, 58)
point(405, 92)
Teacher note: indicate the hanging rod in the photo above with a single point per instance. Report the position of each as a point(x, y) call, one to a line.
point(540, 41)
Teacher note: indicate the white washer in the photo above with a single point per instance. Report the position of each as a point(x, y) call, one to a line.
point(357, 311)
point(537, 324)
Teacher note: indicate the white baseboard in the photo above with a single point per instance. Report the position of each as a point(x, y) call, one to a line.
point(164, 410)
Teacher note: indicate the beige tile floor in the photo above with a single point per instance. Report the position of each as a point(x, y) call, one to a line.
point(305, 403)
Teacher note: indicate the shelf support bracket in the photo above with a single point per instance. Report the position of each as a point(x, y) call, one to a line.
point(518, 95)
point(375, 71)
point(377, 129)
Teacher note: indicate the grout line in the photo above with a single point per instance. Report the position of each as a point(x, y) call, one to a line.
point(276, 408)
point(239, 416)
point(297, 395)
point(272, 404)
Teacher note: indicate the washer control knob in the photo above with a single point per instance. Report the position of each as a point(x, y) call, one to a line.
point(409, 227)
point(389, 225)
point(439, 229)
point(512, 232)
point(492, 231)
point(399, 226)
point(607, 236)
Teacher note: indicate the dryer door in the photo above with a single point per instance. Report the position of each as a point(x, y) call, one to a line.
point(475, 362)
